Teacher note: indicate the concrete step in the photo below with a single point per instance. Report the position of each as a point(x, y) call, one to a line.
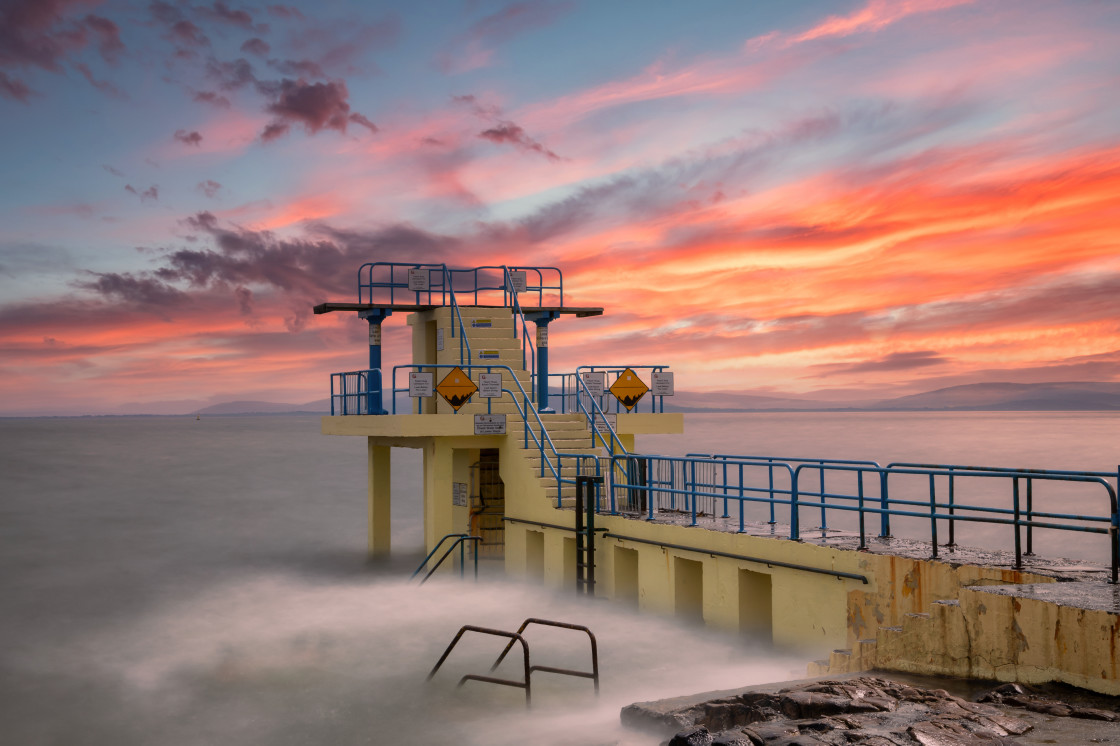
point(860, 657)
point(494, 332)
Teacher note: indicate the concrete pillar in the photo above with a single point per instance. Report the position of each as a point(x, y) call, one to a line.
point(379, 499)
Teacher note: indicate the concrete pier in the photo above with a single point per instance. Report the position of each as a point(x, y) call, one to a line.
point(885, 605)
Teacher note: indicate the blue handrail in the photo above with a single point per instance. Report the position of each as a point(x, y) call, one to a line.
point(354, 392)
point(460, 541)
point(595, 414)
point(523, 412)
point(696, 478)
point(657, 403)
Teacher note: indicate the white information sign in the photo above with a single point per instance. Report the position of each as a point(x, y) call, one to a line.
point(459, 493)
point(439, 339)
point(489, 424)
point(662, 384)
point(518, 281)
point(375, 335)
point(542, 336)
point(420, 385)
point(490, 385)
point(418, 278)
point(595, 381)
point(601, 425)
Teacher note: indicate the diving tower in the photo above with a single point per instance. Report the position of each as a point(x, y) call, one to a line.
point(478, 398)
point(797, 551)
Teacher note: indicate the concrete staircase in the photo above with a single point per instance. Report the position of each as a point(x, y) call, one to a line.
point(489, 331)
point(570, 436)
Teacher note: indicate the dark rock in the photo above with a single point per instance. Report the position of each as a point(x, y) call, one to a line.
point(1047, 707)
point(769, 732)
point(802, 739)
point(1010, 688)
point(734, 738)
point(823, 725)
point(858, 711)
point(1091, 713)
point(698, 736)
point(753, 735)
point(803, 705)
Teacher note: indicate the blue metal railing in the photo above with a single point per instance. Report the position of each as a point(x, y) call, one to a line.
point(589, 407)
point(556, 291)
point(569, 385)
point(698, 485)
point(718, 458)
point(352, 392)
point(389, 282)
point(551, 458)
point(461, 542)
point(394, 280)
point(527, 350)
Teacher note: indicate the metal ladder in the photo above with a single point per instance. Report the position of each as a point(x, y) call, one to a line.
point(585, 533)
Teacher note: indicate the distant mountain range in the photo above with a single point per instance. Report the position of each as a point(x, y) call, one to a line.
point(1023, 397)
point(1073, 396)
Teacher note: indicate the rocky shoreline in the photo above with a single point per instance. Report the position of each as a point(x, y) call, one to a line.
point(876, 711)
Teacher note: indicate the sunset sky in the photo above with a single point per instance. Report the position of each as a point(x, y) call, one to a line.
point(827, 199)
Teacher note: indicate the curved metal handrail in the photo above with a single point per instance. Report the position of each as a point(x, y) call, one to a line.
point(593, 674)
point(514, 637)
point(460, 541)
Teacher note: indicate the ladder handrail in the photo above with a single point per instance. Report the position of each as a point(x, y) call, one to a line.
point(527, 347)
point(460, 540)
point(594, 674)
point(591, 418)
point(462, 327)
point(523, 413)
point(514, 637)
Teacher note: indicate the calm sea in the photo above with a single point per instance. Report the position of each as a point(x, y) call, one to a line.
point(179, 581)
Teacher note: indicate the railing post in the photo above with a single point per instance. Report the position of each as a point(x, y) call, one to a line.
point(770, 467)
point(725, 513)
point(1115, 534)
point(824, 515)
point(933, 512)
point(742, 502)
point(1018, 540)
point(885, 505)
point(692, 488)
point(862, 533)
point(1030, 517)
point(952, 512)
point(794, 518)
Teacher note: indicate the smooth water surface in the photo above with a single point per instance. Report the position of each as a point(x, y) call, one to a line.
point(178, 581)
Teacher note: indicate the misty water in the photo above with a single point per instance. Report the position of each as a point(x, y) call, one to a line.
point(179, 581)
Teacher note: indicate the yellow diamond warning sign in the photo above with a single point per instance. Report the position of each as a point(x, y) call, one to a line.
point(628, 389)
point(457, 388)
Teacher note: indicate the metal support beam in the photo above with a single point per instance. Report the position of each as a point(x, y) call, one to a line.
point(542, 319)
point(374, 402)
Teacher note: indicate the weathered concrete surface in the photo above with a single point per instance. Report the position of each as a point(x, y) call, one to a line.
point(1034, 633)
point(874, 711)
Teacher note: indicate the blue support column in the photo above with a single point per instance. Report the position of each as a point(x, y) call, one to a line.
point(374, 399)
point(542, 319)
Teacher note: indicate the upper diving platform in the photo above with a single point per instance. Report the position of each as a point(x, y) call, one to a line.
point(398, 286)
point(487, 322)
